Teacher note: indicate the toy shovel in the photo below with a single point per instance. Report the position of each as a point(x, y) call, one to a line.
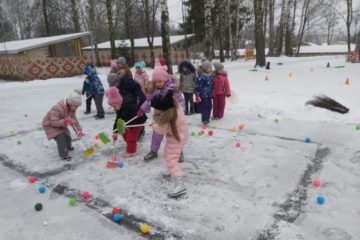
point(89, 150)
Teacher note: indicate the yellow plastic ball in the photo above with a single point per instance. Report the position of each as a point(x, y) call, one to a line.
point(232, 129)
point(214, 126)
point(12, 132)
point(145, 228)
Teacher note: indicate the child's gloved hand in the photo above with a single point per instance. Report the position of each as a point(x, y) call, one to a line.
point(80, 133)
point(114, 137)
point(69, 121)
point(197, 99)
point(140, 113)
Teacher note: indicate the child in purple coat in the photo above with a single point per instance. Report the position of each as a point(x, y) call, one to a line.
point(161, 81)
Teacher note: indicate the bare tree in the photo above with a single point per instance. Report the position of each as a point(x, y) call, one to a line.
point(93, 37)
point(129, 5)
point(150, 8)
point(75, 15)
point(111, 28)
point(288, 29)
point(165, 34)
point(259, 33)
point(331, 18)
point(349, 15)
point(271, 27)
point(208, 30)
point(45, 15)
point(303, 21)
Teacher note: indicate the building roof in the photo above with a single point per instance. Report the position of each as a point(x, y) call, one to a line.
point(141, 42)
point(15, 47)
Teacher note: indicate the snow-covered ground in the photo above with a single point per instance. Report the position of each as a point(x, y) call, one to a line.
point(262, 190)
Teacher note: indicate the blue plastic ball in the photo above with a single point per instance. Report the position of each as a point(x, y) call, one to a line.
point(42, 189)
point(307, 139)
point(120, 164)
point(320, 200)
point(117, 217)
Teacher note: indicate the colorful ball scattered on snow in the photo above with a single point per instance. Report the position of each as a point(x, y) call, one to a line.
point(145, 228)
point(357, 127)
point(40, 129)
point(308, 140)
point(199, 133)
point(114, 158)
point(97, 137)
point(238, 145)
point(210, 133)
point(202, 132)
point(193, 133)
point(320, 200)
point(72, 202)
point(18, 142)
point(242, 126)
point(259, 115)
point(25, 115)
point(31, 179)
point(316, 183)
point(115, 211)
point(42, 189)
point(38, 206)
point(85, 195)
point(120, 164)
point(276, 120)
point(214, 126)
point(117, 217)
point(12, 132)
point(232, 129)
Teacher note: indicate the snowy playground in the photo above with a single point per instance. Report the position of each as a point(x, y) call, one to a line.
point(273, 168)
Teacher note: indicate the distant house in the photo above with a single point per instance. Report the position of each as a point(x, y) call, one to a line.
point(42, 58)
point(142, 50)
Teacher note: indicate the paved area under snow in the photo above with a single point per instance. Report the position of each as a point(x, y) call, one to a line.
point(262, 190)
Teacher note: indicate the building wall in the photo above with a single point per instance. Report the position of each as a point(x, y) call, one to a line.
point(24, 67)
point(38, 53)
point(140, 53)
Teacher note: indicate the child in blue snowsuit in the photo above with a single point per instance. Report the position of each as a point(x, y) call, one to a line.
point(86, 91)
point(96, 90)
point(204, 90)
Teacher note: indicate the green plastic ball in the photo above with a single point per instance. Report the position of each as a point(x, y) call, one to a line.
point(18, 142)
point(358, 127)
point(25, 115)
point(193, 134)
point(72, 202)
point(38, 206)
point(40, 128)
point(276, 120)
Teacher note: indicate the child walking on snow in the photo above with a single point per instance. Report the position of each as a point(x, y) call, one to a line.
point(89, 97)
point(204, 90)
point(169, 120)
point(140, 75)
point(126, 108)
point(56, 123)
point(159, 84)
point(187, 84)
point(221, 89)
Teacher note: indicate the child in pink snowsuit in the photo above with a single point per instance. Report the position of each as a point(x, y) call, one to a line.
point(169, 119)
point(221, 88)
point(140, 75)
point(160, 83)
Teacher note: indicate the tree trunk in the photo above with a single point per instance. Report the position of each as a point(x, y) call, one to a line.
point(229, 18)
point(236, 34)
point(259, 33)
point(148, 29)
point(288, 32)
point(130, 29)
point(45, 15)
point(265, 9)
point(222, 25)
point(358, 42)
point(208, 30)
point(348, 23)
point(93, 36)
point(111, 28)
point(271, 27)
point(303, 21)
point(75, 16)
point(165, 34)
point(280, 38)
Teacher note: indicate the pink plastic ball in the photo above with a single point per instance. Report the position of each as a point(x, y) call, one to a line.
point(85, 195)
point(97, 137)
point(316, 183)
point(211, 133)
point(32, 179)
point(238, 145)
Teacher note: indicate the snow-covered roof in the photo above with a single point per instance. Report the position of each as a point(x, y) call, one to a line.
point(15, 47)
point(141, 42)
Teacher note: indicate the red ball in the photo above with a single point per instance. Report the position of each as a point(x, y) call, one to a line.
point(115, 211)
point(97, 137)
point(238, 145)
point(85, 195)
point(211, 133)
point(32, 179)
point(202, 132)
point(316, 183)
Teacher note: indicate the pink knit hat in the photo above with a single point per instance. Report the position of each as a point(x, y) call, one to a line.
point(114, 96)
point(160, 74)
point(114, 64)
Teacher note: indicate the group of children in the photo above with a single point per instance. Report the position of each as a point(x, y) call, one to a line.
point(132, 97)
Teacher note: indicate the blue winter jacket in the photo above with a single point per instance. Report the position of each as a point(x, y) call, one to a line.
point(96, 87)
point(204, 85)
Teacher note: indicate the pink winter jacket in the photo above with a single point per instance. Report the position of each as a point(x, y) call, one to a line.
point(53, 122)
point(221, 85)
point(142, 78)
point(182, 127)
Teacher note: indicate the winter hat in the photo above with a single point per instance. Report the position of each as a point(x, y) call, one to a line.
point(89, 69)
point(203, 59)
point(157, 62)
point(163, 101)
point(140, 64)
point(74, 99)
point(112, 78)
point(121, 60)
point(160, 74)
point(206, 65)
point(218, 66)
point(114, 96)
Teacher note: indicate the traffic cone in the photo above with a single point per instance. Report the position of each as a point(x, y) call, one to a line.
point(347, 82)
point(266, 78)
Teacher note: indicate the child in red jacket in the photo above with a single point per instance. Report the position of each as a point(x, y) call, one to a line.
point(221, 88)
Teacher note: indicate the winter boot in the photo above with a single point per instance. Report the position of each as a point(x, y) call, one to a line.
point(66, 158)
point(128, 155)
point(150, 156)
point(177, 187)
